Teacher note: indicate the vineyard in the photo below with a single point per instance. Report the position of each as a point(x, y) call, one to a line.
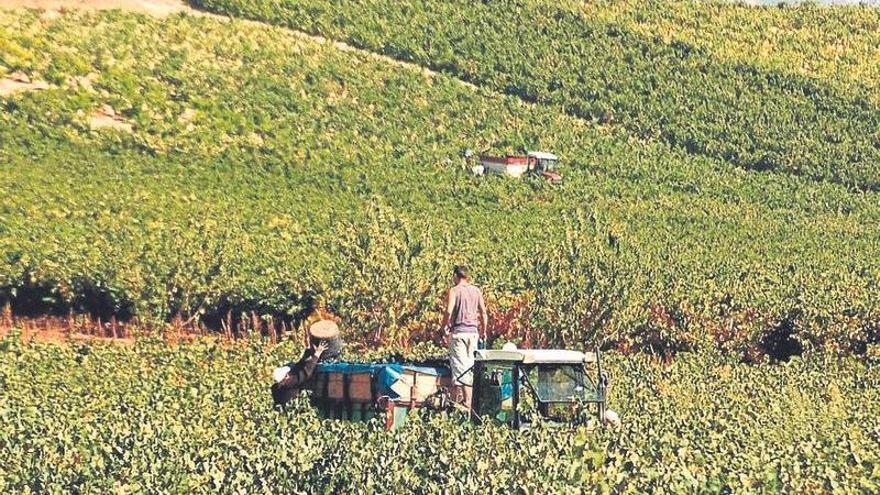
point(261, 172)
point(718, 232)
point(654, 82)
point(152, 418)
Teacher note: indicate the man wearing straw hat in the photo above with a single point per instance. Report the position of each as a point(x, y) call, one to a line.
point(325, 345)
point(465, 311)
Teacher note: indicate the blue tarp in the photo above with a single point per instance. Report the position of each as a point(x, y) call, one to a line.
point(383, 374)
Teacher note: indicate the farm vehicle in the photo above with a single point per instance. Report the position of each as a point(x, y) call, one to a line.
point(536, 163)
point(511, 386)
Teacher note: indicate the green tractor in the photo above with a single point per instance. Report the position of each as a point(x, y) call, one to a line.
point(512, 385)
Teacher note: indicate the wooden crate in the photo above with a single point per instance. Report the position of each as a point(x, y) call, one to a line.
point(318, 385)
point(360, 387)
point(425, 386)
point(418, 386)
point(335, 389)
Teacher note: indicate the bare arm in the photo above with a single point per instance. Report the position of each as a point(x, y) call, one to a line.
point(306, 367)
point(484, 316)
point(450, 309)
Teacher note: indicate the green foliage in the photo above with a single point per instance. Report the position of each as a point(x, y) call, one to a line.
point(756, 117)
point(155, 418)
point(266, 172)
point(386, 278)
point(269, 173)
point(840, 46)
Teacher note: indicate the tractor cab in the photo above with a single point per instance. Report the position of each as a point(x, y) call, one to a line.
point(545, 164)
point(510, 386)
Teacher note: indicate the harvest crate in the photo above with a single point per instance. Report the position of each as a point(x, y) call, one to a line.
point(419, 386)
point(361, 392)
point(392, 413)
point(354, 387)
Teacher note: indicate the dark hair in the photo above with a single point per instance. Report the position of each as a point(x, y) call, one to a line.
point(335, 347)
point(462, 271)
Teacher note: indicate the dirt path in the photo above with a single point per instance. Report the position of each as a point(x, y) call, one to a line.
point(18, 82)
point(60, 330)
point(155, 8)
point(47, 330)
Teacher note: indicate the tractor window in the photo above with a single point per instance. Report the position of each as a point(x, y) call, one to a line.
point(496, 391)
point(548, 164)
point(560, 383)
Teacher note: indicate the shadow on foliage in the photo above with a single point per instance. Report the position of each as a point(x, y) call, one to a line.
point(779, 343)
point(252, 316)
point(33, 300)
point(44, 299)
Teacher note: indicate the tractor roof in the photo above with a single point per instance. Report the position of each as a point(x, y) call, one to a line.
point(543, 155)
point(536, 356)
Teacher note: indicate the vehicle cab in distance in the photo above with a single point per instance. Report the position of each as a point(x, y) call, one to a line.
point(546, 165)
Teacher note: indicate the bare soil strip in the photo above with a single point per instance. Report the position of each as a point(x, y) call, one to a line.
point(106, 118)
point(19, 82)
point(155, 8)
point(47, 330)
point(72, 330)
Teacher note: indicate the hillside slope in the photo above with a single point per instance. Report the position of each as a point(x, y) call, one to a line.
point(265, 172)
point(837, 46)
point(755, 116)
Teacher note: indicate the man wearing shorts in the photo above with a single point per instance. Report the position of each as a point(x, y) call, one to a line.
point(465, 313)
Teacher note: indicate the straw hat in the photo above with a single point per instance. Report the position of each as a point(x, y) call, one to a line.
point(324, 329)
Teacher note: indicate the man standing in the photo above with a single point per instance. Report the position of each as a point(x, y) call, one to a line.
point(465, 312)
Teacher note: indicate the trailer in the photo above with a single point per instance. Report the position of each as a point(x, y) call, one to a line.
point(510, 165)
point(557, 382)
point(389, 391)
point(537, 163)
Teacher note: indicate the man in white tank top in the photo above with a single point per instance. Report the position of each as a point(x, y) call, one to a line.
point(465, 321)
